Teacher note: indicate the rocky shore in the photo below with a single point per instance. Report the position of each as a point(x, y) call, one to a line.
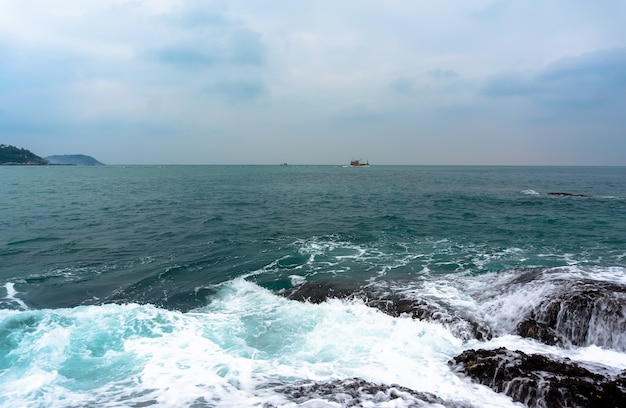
point(574, 313)
point(541, 381)
point(356, 392)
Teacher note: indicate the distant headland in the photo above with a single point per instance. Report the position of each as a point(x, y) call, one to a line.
point(15, 156)
point(75, 159)
point(11, 155)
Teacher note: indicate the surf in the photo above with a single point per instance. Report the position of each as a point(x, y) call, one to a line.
point(249, 346)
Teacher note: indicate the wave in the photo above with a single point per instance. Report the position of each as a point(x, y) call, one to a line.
point(12, 299)
point(372, 345)
point(565, 306)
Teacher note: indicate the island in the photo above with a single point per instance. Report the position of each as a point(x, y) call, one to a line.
point(17, 156)
point(74, 159)
point(11, 155)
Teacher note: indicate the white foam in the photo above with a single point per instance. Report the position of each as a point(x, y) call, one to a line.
point(297, 280)
point(342, 340)
point(12, 295)
point(497, 302)
point(228, 352)
point(595, 358)
point(224, 354)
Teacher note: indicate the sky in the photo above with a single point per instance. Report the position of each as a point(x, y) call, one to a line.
point(472, 82)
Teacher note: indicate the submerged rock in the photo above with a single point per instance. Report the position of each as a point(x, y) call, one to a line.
point(562, 194)
point(356, 392)
point(540, 381)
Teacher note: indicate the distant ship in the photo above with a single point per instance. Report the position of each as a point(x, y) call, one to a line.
point(359, 163)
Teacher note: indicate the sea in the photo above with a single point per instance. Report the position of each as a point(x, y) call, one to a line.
point(164, 286)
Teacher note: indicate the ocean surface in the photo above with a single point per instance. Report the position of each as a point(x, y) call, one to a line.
point(164, 286)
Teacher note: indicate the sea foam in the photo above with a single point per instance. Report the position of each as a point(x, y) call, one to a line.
point(228, 353)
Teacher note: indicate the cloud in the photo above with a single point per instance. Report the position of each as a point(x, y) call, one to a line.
point(607, 64)
point(114, 60)
point(237, 91)
point(211, 41)
point(409, 80)
point(203, 53)
point(402, 86)
point(442, 74)
point(573, 107)
point(510, 84)
point(434, 78)
point(199, 14)
point(592, 79)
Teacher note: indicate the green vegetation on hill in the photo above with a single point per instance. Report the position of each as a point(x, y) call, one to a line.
point(14, 155)
point(75, 159)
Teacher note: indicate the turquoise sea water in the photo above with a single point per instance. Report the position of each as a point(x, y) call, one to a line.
point(159, 285)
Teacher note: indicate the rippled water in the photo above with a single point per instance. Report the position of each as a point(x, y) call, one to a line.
point(160, 285)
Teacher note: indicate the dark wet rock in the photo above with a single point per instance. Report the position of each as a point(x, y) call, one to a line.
point(527, 275)
point(542, 332)
point(356, 392)
point(568, 310)
point(393, 304)
point(562, 194)
point(574, 312)
point(540, 381)
point(319, 291)
point(431, 311)
point(582, 313)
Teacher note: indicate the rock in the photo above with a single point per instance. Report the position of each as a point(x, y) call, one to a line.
point(582, 313)
point(319, 291)
point(540, 381)
point(431, 311)
point(561, 194)
point(576, 312)
point(356, 392)
point(393, 304)
point(542, 332)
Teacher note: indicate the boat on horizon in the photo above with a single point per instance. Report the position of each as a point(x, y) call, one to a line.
point(359, 163)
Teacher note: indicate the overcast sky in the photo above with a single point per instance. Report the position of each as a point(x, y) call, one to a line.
point(316, 82)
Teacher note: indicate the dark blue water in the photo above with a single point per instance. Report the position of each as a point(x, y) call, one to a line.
point(192, 256)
